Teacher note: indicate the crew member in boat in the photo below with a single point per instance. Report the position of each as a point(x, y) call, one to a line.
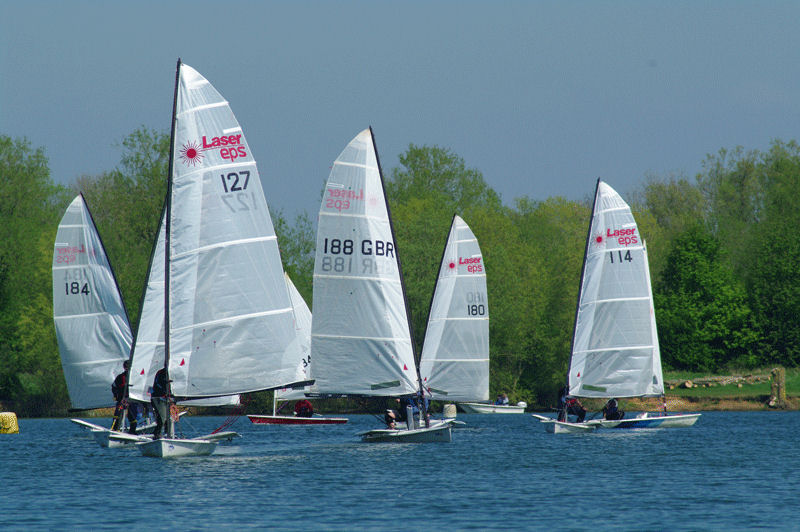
point(569, 406)
point(390, 417)
point(303, 408)
point(160, 400)
point(118, 390)
point(502, 399)
point(611, 410)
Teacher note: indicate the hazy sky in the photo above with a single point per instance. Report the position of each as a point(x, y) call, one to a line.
point(541, 97)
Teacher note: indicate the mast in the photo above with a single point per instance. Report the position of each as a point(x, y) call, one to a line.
point(580, 284)
point(168, 212)
point(399, 264)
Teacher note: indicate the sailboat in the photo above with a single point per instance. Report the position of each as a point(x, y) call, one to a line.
point(615, 350)
point(361, 334)
point(227, 313)
point(302, 320)
point(147, 353)
point(454, 364)
point(91, 321)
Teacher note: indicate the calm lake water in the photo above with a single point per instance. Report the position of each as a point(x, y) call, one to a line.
point(731, 471)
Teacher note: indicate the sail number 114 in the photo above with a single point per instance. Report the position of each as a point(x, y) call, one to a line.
point(620, 257)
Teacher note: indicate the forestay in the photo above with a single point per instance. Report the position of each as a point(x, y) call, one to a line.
point(92, 328)
point(615, 345)
point(360, 339)
point(455, 356)
point(230, 320)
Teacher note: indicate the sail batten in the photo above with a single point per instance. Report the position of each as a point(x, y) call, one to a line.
point(615, 349)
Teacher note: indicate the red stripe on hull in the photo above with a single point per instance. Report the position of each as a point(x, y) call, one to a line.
point(286, 420)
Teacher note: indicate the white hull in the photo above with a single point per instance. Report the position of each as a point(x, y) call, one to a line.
point(484, 408)
point(647, 421)
point(440, 433)
point(554, 426)
point(114, 439)
point(176, 448)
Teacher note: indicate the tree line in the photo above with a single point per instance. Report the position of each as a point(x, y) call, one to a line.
point(723, 251)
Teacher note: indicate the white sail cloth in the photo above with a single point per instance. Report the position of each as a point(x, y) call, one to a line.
point(615, 346)
point(302, 327)
point(454, 365)
point(148, 346)
point(360, 339)
point(230, 320)
point(94, 336)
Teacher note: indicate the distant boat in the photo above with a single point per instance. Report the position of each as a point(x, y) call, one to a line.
point(615, 350)
point(228, 317)
point(361, 336)
point(91, 321)
point(302, 321)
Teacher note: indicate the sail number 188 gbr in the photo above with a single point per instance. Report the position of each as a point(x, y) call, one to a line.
point(343, 249)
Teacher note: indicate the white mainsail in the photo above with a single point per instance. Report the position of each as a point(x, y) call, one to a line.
point(360, 335)
point(615, 349)
point(148, 346)
point(94, 335)
point(302, 327)
point(454, 365)
point(229, 318)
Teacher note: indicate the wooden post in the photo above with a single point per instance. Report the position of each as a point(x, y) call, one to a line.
point(777, 397)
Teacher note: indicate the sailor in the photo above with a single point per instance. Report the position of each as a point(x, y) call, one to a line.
point(160, 400)
point(118, 391)
point(390, 417)
point(569, 405)
point(611, 410)
point(303, 408)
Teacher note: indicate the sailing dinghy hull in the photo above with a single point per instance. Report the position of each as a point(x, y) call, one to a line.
point(177, 448)
point(112, 438)
point(553, 426)
point(294, 420)
point(435, 434)
point(651, 422)
point(484, 408)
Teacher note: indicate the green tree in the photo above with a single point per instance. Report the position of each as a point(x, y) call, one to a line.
point(704, 322)
point(30, 205)
point(773, 278)
point(126, 205)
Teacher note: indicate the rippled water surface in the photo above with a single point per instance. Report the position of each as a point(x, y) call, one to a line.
point(732, 470)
